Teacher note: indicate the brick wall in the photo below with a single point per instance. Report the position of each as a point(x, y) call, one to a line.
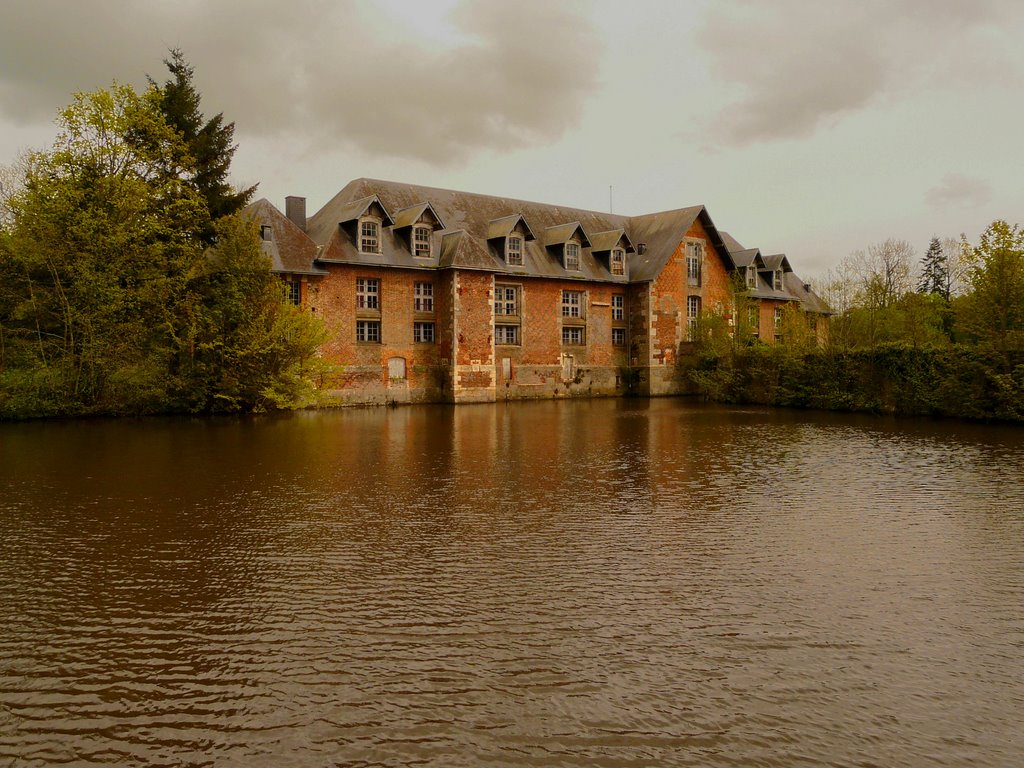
point(361, 371)
point(668, 299)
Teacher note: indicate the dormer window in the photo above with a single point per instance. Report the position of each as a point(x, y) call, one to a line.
point(751, 276)
point(778, 279)
point(572, 256)
point(369, 236)
point(514, 250)
point(618, 261)
point(266, 233)
point(421, 242)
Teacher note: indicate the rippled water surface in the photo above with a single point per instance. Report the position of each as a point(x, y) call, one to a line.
point(605, 583)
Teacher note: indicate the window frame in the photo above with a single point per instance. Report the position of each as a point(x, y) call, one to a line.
point(693, 309)
point(777, 280)
point(574, 310)
point(368, 294)
point(618, 304)
point(515, 302)
point(506, 330)
point(425, 242)
point(364, 238)
point(570, 331)
point(617, 262)
point(694, 263)
point(363, 328)
point(423, 297)
point(571, 256)
point(421, 329)
point(514, 255)
point(293, 292)
point(266, 233)
point(751, 276)
point(621, 333)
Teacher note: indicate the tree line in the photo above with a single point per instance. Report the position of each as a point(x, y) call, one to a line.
point(130, 280)
point(943, 335)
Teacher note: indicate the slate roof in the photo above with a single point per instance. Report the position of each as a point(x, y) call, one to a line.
point(794, 289)
point(482, 219)
point(290, 250)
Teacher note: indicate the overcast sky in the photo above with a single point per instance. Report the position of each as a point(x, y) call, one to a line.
point(810, 128)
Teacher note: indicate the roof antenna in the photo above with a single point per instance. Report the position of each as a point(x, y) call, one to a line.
point(609, 198)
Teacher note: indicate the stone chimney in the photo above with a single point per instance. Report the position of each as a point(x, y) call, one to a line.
point(295, 210)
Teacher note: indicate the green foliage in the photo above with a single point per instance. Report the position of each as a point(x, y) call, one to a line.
point(249, 349)
point(934, 271)
point(994, 309)
point(208, 143)
point(110, 300)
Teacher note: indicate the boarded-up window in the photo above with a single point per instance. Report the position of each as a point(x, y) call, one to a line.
point(396, 368)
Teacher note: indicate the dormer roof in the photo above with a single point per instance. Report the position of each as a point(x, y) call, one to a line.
point(560, 234)
point(506, 225)
point(408, 216)
point(358, 208)
point(613, 238)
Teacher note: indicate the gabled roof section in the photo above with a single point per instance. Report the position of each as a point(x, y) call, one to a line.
point(809, 300)
point(660, 235)
point(777, 261)
point(504, 227)
point(290, 250)
point(560, 234)
point(408, 216)
point(613, 238)
point(458, 249)
point(747, 257)
point(357, 208)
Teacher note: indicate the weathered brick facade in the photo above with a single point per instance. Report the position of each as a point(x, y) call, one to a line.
point(435, 296)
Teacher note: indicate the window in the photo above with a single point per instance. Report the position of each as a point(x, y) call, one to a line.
point(618, 306)
point(293, 292)
point(421, 242)
point(423, 333)
point(692, 314)
point(506, 334)
point(506, 300)
point(812, 322)
point(368, 331)
point(369, 239)
point(514, 250)
point(572, 304)
point(367, 293)
point(753, 317)
point(423, 297)
point(573, 334)
point(694, 257)
point(572, 256)
point(778, 279)
point(751, 276)
point(778, 316)
point(618, 261)
point(266, 233)
point(619, 337)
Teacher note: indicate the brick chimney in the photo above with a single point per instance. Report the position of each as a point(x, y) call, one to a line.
point(295, 210)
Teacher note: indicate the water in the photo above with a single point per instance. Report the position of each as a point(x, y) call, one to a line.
point(602, 583)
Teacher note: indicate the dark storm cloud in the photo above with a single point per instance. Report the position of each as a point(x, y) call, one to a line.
point(799, 65)
point(325, 73)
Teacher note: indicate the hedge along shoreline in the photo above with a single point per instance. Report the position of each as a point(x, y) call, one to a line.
point(959, 381)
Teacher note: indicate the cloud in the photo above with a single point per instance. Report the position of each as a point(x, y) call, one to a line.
point(321, 73)
point(956, 190)
point(798, 66)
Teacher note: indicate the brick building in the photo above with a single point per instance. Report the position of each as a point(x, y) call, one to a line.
point(437, 295)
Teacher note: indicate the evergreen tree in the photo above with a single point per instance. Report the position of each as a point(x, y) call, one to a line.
point(934, 271)
point(208, 143)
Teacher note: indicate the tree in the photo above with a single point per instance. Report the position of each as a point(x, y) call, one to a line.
point(110, 300)
point(251, 350)
point(208, 143)
point(993, 311)
point(934, 271)
point(101, 244)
